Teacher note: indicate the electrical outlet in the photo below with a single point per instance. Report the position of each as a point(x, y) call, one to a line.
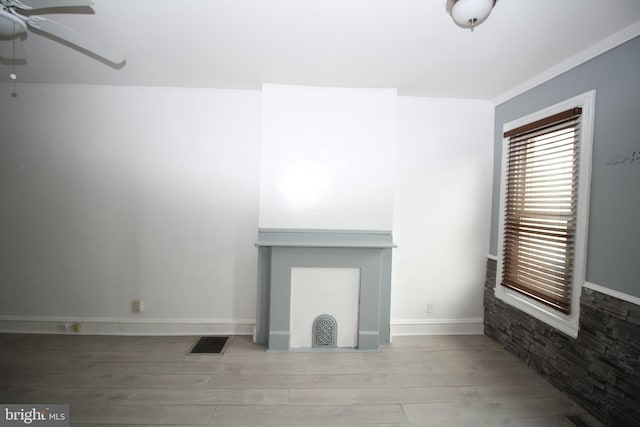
point(137, 306)
point(429, 308)
point(64, 326)
point(76, 327)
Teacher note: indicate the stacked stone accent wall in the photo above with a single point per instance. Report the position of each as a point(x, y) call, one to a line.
point(600, 370)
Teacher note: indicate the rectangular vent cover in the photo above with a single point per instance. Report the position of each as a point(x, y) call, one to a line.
point(210, 345)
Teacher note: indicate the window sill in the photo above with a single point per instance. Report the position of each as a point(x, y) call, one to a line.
point(567, 324)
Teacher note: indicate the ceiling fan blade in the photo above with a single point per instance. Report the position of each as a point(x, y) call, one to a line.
point(12, 50)
point(71, 36)
point(47, 4)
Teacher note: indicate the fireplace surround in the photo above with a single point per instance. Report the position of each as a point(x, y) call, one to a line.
point(281, 250)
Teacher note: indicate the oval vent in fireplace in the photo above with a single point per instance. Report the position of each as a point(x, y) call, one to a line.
point(325, 332)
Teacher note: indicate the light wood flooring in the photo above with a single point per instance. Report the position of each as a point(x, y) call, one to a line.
point(448, 381)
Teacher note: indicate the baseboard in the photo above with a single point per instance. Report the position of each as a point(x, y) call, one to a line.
point(437, 327)
point(125, 326)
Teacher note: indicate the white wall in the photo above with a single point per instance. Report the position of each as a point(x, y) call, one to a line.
point(327, 157)
point(110, 194)
point(441, 214)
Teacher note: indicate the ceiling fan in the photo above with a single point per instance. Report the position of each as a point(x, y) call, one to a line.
point(16, 20)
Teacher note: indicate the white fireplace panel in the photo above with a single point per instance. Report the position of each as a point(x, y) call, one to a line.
point(316, 291)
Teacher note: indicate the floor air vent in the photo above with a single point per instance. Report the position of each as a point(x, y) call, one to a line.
point(578, 421)
point(210, 345)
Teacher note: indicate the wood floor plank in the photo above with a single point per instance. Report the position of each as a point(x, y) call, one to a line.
point(270, 425)
point(19, 377)
point(507, 422)
point(125, 381)
point(138, 425)
point(503, 422)
point(142, 414)
point(265, 397)
point(146, 396)
point(356, 367)
point(363, 396)
point(105, 356)
point(344, 425)
point(510, 375)
point(62, 366)
point(553, 421)
point(293, 381)
point(441, 342)
point(483, 410)
point(108, 343)
point(525, 390)
point(313, 414)
point(469, 353)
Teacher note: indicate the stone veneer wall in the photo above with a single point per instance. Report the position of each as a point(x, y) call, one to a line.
point(600, 369)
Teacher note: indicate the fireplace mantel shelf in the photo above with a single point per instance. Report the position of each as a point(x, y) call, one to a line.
point(319, 244)
point(325, 238)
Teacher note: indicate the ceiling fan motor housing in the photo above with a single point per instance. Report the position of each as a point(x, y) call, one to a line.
point(10, 26)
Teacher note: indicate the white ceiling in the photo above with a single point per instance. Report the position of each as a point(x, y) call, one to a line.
point(412, 45)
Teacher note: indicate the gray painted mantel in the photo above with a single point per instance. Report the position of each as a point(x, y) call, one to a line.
point(280, 250)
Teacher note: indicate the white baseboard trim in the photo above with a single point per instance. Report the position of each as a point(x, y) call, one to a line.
point(406, 327)
point(125, 326)
point(612, 293)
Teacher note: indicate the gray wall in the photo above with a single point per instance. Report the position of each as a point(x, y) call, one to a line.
point(614, 226)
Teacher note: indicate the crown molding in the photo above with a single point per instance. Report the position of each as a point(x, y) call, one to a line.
point(597, 49)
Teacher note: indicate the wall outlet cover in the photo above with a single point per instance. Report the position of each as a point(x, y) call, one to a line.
point(137, 306)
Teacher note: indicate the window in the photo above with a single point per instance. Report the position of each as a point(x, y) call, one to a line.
point(544, 193)
point(540, 208)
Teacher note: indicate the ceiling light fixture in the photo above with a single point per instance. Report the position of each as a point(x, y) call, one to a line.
point(469, 13)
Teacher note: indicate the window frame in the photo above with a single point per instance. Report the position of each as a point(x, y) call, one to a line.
point(567, 323)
